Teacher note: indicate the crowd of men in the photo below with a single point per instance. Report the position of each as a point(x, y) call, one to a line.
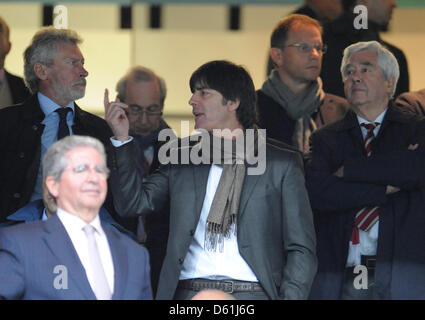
point(291, 191)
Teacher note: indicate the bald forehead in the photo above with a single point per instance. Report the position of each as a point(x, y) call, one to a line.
point(143, 93)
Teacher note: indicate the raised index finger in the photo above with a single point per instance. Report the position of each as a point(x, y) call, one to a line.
point(106, 100)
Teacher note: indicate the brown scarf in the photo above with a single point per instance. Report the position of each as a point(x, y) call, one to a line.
point(224, 208)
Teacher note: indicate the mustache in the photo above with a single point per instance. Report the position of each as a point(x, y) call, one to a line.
point(81, 81)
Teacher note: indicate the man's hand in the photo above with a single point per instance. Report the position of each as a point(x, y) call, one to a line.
point(340, 172)
point(116, 118)
point(391, 189)
point(412, 147)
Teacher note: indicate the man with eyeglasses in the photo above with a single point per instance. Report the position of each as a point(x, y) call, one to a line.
point(291, 102)
point(73, 255)
point(144, 92)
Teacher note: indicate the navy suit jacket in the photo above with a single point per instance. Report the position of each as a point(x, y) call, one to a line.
point(400, 265)
point(33, 211)
point(33, 256)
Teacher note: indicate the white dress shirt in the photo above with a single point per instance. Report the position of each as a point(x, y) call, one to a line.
point(201, 263)
point(74, 227)
point(368, 239)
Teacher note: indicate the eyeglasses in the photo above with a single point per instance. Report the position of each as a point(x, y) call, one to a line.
point(151, 111)
point(304, 47)
point(84, 169)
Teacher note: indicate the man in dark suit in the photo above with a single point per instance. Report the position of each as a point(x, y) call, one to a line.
point(366, 180)
point(340, 33)
point(73, 255)
point(55, 73)
point(12, 88)
point(291, 102)
point(240, 221)
point(145, 92)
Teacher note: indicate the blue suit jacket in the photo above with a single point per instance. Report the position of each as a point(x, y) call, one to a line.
point(35, 257)
point(33, 211)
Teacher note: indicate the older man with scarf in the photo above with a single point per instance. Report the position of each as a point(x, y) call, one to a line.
point(240, 219)
point(292, 103)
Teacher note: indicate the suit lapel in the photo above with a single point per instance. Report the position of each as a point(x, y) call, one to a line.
point(61, 246)
point(350, 124)
point(120, 260)
point(248, 187)
point(201, 173)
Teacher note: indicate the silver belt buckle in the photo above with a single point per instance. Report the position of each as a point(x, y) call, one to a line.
point(226, 283)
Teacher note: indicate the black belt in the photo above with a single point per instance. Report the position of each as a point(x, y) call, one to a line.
point(228, 286)
point(368, 261)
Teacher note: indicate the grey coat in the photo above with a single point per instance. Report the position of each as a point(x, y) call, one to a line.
point(275, 236)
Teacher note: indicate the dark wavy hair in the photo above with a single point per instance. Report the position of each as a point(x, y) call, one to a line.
point(233, 82)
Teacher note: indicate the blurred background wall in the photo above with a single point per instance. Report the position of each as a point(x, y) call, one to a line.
point(188, 36)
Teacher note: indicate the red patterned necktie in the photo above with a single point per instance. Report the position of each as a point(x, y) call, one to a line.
point(368, 216)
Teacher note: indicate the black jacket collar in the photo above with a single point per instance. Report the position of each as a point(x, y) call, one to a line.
point(394, 114)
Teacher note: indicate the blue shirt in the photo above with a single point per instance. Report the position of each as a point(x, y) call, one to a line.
point(49, 136)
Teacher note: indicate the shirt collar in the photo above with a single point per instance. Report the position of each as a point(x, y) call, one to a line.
point(75, 223)
point(379, 119)
point(48, 105)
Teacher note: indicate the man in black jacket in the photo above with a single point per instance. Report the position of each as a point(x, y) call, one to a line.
point(342, 32)
point(292, 102)
point(55, 74)
point(12, 88)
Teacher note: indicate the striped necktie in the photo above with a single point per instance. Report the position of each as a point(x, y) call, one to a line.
point(367, 217)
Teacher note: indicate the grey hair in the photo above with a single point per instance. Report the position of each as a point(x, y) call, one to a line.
point(55, 162)
point(386, 60)
point(140, 74)
point(43, 49)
